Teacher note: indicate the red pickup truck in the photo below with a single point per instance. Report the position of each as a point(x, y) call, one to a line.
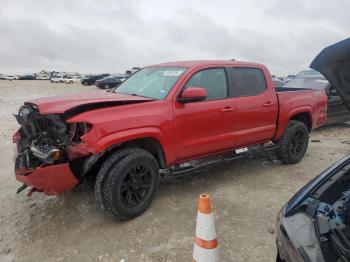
point(164, 120)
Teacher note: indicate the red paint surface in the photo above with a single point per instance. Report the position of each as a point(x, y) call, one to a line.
point(60, 104)
point(52, 180)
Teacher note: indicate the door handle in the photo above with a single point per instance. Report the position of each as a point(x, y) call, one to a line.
point(268, 103)
point(227, 109)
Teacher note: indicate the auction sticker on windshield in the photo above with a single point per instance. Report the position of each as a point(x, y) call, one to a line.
point(172, 73)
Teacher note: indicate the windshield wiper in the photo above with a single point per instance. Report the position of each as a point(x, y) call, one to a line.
point(133, 94)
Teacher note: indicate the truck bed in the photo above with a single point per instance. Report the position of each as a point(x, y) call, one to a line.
point(292, 101)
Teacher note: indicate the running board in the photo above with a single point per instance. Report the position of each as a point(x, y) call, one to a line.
point(198, 164)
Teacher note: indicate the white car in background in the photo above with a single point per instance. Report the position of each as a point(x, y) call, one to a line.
point(11, 77)
point(73, 79)
point(58, 79)
point(42, 77)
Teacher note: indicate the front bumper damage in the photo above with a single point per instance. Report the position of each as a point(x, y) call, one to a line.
point(47, 151)
point(51, 180)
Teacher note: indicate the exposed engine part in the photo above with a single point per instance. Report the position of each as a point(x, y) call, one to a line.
point(49, 156)
point(44, 138)
point(333, 227)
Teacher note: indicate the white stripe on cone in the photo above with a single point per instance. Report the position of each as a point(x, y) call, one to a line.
point(205, 255)
point(205, 228)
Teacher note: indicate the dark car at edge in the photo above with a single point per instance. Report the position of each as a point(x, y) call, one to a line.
point(337, 110)
point(109, 82)
point(315, 224)
point(91, 79)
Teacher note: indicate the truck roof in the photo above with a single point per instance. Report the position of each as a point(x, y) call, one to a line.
point(198, 63)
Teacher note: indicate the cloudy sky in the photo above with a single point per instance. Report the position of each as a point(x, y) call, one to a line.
point(113, 35)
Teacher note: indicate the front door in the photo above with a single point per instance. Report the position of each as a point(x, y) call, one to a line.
point(206, 127)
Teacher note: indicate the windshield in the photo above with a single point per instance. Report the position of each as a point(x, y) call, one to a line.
point(154, 82)
point(308, 73)
point(319, 83)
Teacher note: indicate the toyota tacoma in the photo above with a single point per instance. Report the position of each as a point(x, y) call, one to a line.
point(165, 120)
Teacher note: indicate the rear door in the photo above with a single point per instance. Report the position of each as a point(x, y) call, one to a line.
point(205, 127)
point(256, 106)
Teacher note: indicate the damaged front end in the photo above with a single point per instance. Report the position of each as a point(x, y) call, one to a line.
point(46, 144)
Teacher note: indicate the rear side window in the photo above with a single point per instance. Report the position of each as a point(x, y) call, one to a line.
point(248, 81)
point(213, 80)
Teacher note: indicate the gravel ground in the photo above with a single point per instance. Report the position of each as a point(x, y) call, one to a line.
point(247, 195)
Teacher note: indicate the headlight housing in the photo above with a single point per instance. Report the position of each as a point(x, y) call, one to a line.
point(298, 232)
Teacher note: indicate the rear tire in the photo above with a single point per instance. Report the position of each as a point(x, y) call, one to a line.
point(293, 142)
point(126, 183)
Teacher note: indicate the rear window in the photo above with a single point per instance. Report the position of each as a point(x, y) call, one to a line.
point(248, 81)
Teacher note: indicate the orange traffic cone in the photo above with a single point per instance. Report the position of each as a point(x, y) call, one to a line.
point(205, 246)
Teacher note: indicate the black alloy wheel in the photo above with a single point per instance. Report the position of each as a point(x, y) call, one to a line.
point(136, 186)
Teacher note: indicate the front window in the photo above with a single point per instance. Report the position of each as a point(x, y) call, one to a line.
point(212, 80)
point(153, 82)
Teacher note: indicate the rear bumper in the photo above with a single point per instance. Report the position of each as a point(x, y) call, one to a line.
point(52, 180)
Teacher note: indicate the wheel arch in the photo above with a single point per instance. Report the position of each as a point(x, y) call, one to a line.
point(149, 144)
point(304, 117)
point(92, 163)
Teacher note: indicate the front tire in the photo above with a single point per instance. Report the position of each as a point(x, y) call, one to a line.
point(293, 143)
point(126, 183)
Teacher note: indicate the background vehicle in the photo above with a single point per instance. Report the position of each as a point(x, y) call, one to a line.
point(27, 77)
point(337, 111)
point(91, 79)
point(289, 78)
point(277, 83)
point(109, 82)
point(135, 69)
point(72, 79)
point(334, 64)
point(58, 79)
point(315, 224)
point(164, 120)
point(43, 77)
point(11, 77)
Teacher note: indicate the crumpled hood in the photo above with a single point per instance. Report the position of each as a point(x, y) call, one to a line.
point(83, 101)
point(334, 64)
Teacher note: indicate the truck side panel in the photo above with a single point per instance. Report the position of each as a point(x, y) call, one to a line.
point(312, 104)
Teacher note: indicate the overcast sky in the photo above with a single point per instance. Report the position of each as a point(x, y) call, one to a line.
point(111, 36)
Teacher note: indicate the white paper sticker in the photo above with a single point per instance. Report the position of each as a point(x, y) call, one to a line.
point(172, 73)
point(241, 150)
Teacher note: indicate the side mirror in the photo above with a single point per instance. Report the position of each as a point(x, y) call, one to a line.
point(192, 94)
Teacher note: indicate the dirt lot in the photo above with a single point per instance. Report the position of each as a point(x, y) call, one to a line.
point(247, 196)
